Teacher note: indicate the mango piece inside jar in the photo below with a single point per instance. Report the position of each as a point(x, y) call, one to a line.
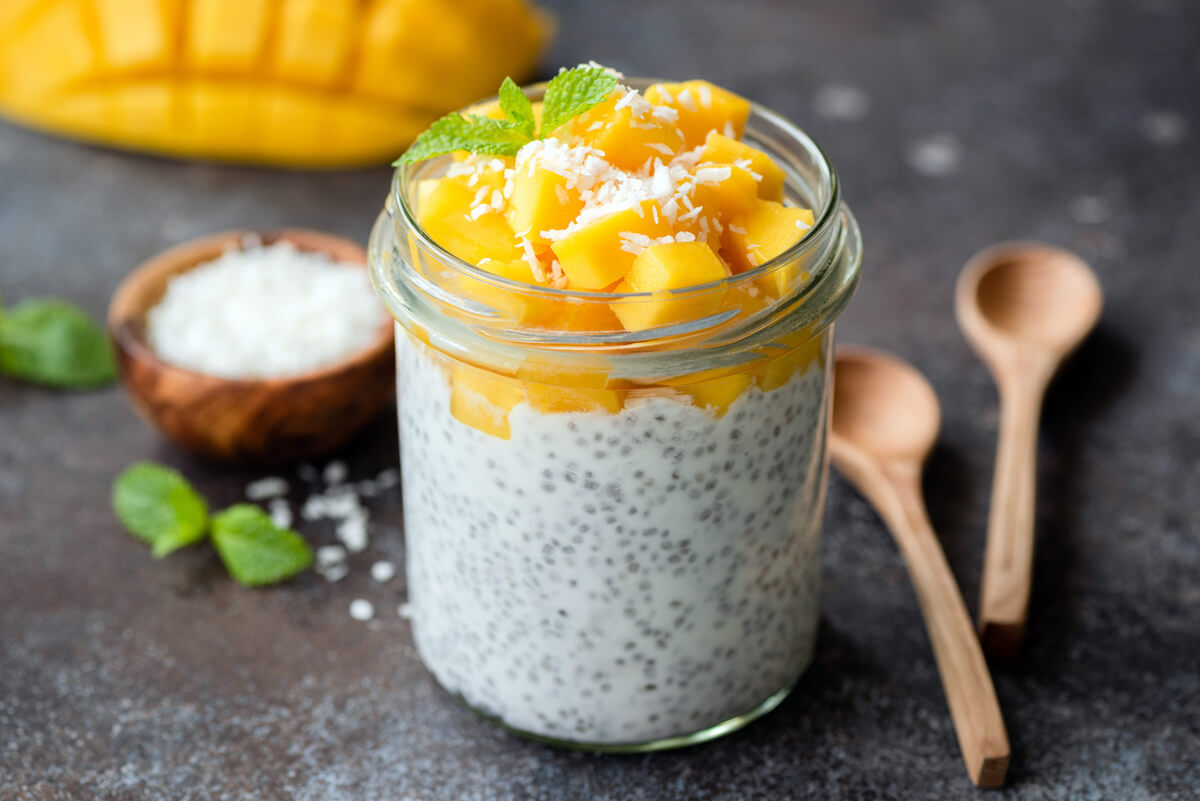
point(582, 386)
point(628, 140)
point(799, 350)
point(673, 265)
point(718, 394)
point(541, 201)
point(595, 256)
point(702, 107)
point(721, 149)
point(482, 399)
point(760, 235)
point(521, 307)
point(458, 216)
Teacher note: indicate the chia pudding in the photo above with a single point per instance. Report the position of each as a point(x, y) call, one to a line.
point(613, 364)
point(614, 578)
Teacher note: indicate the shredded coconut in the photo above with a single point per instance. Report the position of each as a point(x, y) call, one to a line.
point(382, 572)
point(362, 609)
point(264, 488)
point(280, 512)
point(264, 311)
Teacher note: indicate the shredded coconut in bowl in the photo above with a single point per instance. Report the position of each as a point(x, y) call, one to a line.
point(264, 312)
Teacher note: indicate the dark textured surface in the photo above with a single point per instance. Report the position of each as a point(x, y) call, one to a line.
point(121, 677)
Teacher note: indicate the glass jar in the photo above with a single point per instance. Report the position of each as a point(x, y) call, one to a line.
point(612, 536)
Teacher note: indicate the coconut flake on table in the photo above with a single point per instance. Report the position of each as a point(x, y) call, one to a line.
point(264, 311)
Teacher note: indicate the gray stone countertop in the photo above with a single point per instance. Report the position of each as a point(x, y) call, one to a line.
point(954, 125)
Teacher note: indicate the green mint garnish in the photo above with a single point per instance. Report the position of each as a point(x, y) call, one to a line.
point(159, 506)
point(254, 550)
point(568, 94)
point(51, 342)
point(573, 92)
point(517, 108)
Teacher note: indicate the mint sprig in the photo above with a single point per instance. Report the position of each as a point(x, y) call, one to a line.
point(158, 505)
point(51, 342)
point(573, 92)
point(568, 94)
point(254, 550)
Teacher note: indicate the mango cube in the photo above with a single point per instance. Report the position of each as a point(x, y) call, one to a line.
point(727, 197)
point(768, 230)
point(803, 350)
point(553, 398)
point(627, 141)
point(482, 399)
point(582, 316)
point(540, 202)
point(521, 307)
point(594, 256)
point(702, 107)
point(664, 267)
point(447, 216)
point(718, 394)
point(724, 150)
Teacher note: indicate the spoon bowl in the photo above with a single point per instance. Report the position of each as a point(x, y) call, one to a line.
point(883, 406)
point(1027, 295)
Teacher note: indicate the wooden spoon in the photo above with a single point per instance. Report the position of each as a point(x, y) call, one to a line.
point(1023, 307)
point(885, 422)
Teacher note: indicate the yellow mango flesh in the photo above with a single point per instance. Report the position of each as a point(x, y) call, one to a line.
point(718, 394)
point(446, 217)
point(664, 267)
point(702, 107)
point(550, 398)
point(627, 143)
point(540, 202)
point(767, 231)
point(592, 256)
point(482, 399)
point(521, 308)
point(731, 197)
point(802, 350)
point(287, 82)
point(582, 316)
point(723, 150)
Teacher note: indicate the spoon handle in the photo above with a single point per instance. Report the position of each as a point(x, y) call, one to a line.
point(1008, 559)
point(974, 708)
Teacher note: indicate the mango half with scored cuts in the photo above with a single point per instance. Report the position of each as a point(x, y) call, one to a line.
point(313, 83)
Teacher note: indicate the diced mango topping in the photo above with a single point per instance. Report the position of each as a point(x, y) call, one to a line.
point(598, 254)
point(659, 268)
point(645, 195)
point(721, 149)
point(702, 107)
point(541, 201)
point(763, 233)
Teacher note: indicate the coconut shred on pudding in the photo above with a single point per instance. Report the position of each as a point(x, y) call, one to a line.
point(612, 419)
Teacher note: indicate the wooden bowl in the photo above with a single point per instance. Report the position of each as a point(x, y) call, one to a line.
point(270, 420)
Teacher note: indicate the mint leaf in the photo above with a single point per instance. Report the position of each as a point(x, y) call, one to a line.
point(517, 108)
point(254, 551)
point(158, 506)
point(573, 92)
point(474, 134)
point(52, 342)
